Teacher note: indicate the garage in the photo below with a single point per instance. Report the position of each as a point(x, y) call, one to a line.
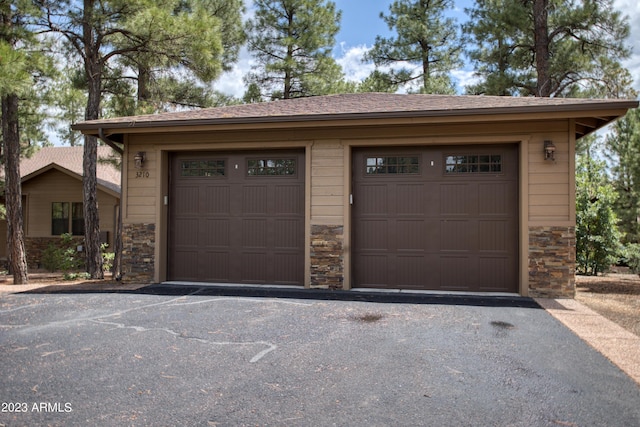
point(436, 218)
point(237, 217)
point(359, 190)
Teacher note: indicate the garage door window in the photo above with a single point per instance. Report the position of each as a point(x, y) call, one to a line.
point(393, 165)
point(202, 168)
point(465, 164)
point(271, 167)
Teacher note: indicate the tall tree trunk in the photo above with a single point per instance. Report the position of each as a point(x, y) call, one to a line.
point(13, 190)
point(144, 75)
point(426, 65)
point(93, 69)
point(90, 205)
point(541, 40)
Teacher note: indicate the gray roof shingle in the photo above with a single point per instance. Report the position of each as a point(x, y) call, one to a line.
point(365, 105)
point(70, 158)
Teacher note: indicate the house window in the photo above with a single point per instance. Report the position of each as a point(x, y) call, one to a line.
point(393, 165)
point(67, 217)
point(59, 218)
point(77, 219)
point(203, 168)
point(465, 164)
point(271, 167)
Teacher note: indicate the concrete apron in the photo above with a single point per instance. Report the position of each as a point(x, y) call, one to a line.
point(614, 342)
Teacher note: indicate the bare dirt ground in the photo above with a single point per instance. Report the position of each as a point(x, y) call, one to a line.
point(614, 295)
point(52, 282)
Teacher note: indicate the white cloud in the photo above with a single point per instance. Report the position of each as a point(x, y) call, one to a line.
point(463, 78)
point(631, 8)
point(351, 59)
point(231, 82)
point(352, 63)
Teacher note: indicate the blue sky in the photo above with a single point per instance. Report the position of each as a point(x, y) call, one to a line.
point(361, 24)
point(361, 19)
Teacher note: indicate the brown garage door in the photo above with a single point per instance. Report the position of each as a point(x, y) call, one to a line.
point(237, 217)
point(437, 218)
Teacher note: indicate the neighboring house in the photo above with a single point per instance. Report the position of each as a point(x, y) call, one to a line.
point(447, 193)
point(53, 201)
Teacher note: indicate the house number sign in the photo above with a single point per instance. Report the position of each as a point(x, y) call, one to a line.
point(142, 174)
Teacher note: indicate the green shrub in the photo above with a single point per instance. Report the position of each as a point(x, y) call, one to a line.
point(107, 257)
point(597, 235)
point(62, 256)
point(631, 257)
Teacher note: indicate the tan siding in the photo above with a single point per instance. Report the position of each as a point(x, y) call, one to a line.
point(545, 212)
point(141, 185)
point(549, 190)
point(328, 190)
point(55, 186)
point(327, 187)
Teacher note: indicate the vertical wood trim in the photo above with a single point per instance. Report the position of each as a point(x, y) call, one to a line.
point(346, 232)
point(162, 216)
point(572, 171)
point(308, 153)
point(124, 176)
point(524, 217)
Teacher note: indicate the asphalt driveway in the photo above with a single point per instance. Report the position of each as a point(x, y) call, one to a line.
point(170, 356)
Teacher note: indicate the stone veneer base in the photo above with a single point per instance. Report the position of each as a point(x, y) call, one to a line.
point(327, 262)
point(138, 252)
point(552, 260)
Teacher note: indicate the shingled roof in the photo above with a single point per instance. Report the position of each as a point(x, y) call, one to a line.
point(359, 106)
point(70, 159)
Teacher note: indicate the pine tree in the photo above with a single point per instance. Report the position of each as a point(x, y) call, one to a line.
point(623, 148)
point(99, 32)
point(22, 62)
point(546, 47)
point(597, 237)
point(426, 40)
point(292, 42)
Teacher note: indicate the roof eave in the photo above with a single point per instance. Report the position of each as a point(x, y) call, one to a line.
point(614, 109)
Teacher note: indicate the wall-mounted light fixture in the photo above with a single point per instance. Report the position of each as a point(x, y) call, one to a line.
point(549, 151)
point(139, 159)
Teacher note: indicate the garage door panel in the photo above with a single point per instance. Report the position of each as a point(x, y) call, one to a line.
point(215, 265)
point(372, 200)
point(254, 233)
point(494, 236)
point(410, 199)
point(240, 215)
point(215, 232)
point(495, 274)
point(188, 198)
point(457, 235)
point(410, 234)
point(411, 271)
point(453, 276)
point(374, 233)
point(254, 199)
point(287, 234)
point(255, 267)
point(186, 263)
point(450, 224)
point(493, 199)
point(287, 199)
point(456, 199)
point(288, 268)
point(188, 236)
point(215, 200)
point(373, 270)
